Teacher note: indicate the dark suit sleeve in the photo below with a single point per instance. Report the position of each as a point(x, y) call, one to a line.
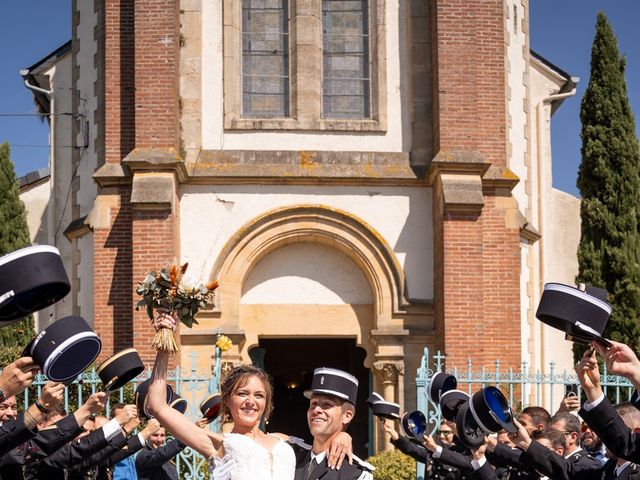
point(102, 456)
point(505, 456)
point(608, 425)
point(76, 452)
point(455, 459)
point(155, 457)
point(417, 452)
point(485, 472)
point(52, 439)
point(133, 445)
point(555, 466)
point(14, 433)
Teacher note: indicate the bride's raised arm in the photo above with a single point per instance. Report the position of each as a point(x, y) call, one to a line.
point(203, 441)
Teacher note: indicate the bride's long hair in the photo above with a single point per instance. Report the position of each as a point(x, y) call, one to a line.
point(238, 378)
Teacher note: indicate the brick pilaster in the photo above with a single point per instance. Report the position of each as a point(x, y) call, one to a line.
point(135, 233)
point(476, 249)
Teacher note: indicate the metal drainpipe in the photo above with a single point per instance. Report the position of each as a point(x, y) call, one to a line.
point(51, 240)
point(51, 205)
point(541, 131)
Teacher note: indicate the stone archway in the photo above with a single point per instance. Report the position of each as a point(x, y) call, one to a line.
point(381, 337)
point(311, 223)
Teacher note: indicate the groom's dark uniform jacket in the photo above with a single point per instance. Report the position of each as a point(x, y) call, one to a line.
point(360, 470)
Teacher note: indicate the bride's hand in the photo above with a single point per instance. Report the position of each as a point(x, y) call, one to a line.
point(341, 446)
point(164, 320)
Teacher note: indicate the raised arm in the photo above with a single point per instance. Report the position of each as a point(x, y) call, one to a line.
point(203, 441)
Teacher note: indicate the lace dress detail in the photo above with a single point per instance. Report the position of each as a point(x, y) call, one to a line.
point(246, 459)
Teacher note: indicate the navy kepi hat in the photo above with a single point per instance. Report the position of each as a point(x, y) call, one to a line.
point(179, 403)
point(65, 348)
point(440, 383)
point(118, 370)
point(373, 398)
point(386, 409)
point(211, 407)
point(140, 397)
point(331, 381)
point(31, 279)
point(581, 314)
point(450, 402)
point(414, 425)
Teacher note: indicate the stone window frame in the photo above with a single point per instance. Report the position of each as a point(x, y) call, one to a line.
point(305, 63)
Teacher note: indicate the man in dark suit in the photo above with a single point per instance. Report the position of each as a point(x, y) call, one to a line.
point(154, 461)
point(16, 429)
point(621, 440)
point(559, 467)
point(332, 401)
point(75, 458)
point(58, 429)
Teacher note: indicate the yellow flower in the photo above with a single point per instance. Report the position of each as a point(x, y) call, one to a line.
point(223, 343)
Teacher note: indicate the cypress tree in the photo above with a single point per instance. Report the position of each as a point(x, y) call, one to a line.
point(609, 182)
point(14, 234)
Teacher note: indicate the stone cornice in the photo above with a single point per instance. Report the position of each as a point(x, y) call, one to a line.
point(156, 160)
point(304, 167)
point(112, 174)
point(468, 162)
point(500, 177)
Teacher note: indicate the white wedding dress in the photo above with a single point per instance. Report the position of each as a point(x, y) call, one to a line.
point(246, 459)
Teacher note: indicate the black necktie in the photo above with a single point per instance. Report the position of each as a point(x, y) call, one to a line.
point(312, 464)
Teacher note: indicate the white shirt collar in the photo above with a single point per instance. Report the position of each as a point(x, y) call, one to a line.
point(318, 457)
point(620, 468)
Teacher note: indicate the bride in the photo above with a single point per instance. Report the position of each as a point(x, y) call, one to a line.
point(247, 453)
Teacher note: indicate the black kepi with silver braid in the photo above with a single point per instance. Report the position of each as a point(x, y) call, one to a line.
point(334, 382)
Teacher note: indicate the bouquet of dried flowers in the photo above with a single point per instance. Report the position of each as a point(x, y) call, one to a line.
point(168, 290)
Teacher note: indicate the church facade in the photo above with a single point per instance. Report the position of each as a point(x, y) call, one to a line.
point(363, 178)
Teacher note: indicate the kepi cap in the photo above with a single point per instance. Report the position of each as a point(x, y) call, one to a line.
point(211, 406)
point(64, 349)
point(383, 409)
point(31, 279)
point(414, 425)
point(450, 402)
point(582, 315)
point(118, 370)
point(487, 411)
point(178, 403)
point(440, 383)
point(140, 397)
point(334, 382)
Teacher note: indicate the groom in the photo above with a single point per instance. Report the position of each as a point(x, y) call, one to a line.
point(331, 409)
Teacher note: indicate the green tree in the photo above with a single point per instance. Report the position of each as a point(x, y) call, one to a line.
point(609, 182)
point(14, 234)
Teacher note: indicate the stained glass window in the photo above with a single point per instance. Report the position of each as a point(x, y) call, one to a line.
point(265, 58)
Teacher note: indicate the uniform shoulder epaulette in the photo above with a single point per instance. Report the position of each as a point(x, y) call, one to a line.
point(363, 464)
point(577, 455)
point(299, 442)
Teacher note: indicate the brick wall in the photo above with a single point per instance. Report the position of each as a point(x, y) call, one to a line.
point(152, 248)
point(470, 77)
point(113, 281)
point(156, 77)
point(476, 254)
point(141, 109)
point(119, 72)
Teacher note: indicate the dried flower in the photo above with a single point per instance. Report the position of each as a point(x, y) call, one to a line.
point(169, 291)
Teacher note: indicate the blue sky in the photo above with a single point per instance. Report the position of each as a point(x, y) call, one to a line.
point(29, 30)
point(561, 31)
